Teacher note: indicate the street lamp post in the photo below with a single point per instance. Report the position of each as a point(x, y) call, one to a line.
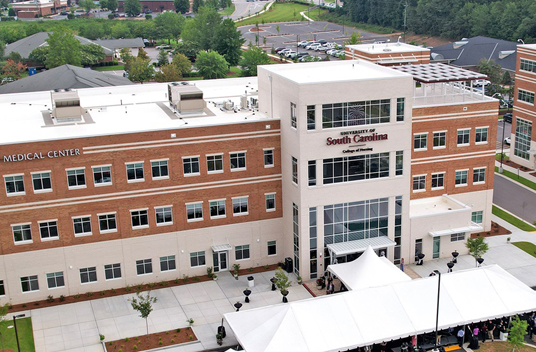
point(15, 325)
point(438, 273)
point(502, 149)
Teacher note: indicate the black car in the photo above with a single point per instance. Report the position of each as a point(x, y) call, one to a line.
point(301, 54)
point(322, 41)
point(507, 117)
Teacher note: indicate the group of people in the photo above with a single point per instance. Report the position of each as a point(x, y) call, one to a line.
point(490, 329)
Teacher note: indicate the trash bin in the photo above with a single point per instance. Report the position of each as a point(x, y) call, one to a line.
point(289, 268)
point(251, 281)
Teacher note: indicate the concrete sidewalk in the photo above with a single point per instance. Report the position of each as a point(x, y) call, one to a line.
point(512, 259)
point(523, 174)
point(76, 327)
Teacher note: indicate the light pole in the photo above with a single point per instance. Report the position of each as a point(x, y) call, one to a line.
point(438, 273)
point(15, 324)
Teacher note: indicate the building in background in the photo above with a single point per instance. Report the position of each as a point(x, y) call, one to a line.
point(38, 8)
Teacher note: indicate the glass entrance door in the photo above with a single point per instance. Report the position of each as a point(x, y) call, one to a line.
point(220, 261)
point(437, 243)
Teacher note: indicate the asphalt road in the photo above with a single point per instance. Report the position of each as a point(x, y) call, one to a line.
point(514, 198)
point(507, 131)
point(244, 8)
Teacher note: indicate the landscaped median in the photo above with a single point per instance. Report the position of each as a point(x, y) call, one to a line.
point(511, 219)
point(528, 247)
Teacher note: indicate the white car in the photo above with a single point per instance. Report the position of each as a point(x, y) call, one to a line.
point(291, 54)
point(507, 140)
point(312, 46)
point(331, 51)
point(302, 43)
point(321, 48)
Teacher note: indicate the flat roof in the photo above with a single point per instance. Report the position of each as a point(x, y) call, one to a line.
point(527, 46)
point(435, 73)
point(386, 48)
point(121, 110)
point(333, 71)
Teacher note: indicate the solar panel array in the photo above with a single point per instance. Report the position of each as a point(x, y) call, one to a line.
point(435, 73)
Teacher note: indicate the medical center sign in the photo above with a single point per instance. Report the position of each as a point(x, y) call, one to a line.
point(359, 137)
point(51, 154)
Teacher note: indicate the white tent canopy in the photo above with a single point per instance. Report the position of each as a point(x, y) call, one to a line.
point(372, 315)
point(368, 270)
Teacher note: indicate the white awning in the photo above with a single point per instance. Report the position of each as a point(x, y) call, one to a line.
point(472, 228)
point(358, 246)
point(221, 247)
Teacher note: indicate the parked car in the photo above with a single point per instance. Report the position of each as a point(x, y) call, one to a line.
point(507, 140)
point(507, 117)
point(302, 54)
point(291, 54)
point(284, 51)
point(313, 44)
point(279, 49)
point(481, 82)
point(302, 43)
point(322, 41)
point(64, 13)
point(321, 48)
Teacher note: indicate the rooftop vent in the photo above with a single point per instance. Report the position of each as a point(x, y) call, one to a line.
point(66, 105)
point(505, 53)
point(187, 99)
point(436, 56)
point(459, 44)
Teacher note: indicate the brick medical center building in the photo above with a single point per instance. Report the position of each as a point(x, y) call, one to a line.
point(109, 187)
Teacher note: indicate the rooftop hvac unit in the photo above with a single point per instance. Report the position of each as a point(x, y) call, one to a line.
point(186, 99)
point(254, 102)
point(66, 105)
point(228, 105)
point(243, 102)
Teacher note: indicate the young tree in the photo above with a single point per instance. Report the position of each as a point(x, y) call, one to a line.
point(355, 38)
point(196, 5)
point(516, 333)
point(39, 54)
point(182, 63)
point(11, 12)
point(281, 280)
point(15, 56)
point(168, 73)
point(491, 69)
point(477, 247)
point(162, 58)
point(13, 69)
point(143, 305)
point(182, 6)
point(132, 7)
point(211, 65)
point(230, 41)
point(253, 57)
point(142, 54)
point(64, 48)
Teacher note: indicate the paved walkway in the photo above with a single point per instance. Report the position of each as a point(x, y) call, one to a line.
point(76, 327)
point(517, 262)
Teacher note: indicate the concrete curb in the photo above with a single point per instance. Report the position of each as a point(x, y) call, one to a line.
point(515, 216)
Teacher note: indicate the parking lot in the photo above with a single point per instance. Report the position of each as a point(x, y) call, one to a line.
point(291, 33)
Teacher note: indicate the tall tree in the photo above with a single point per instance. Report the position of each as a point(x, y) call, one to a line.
point(86, 4)
point(168, 73)
point(253, 57)
point(169, 25)
point(143, 305)
point(230, 42)
point(142, 54)
point(112, 5)
point(140, 70)
point(132, 7)
point(92, 54)
point(211, 65)
point(196, 5)
point(64, 49)
point(162, 58)
point(203, 29)
point(182, 6)
point(121, 30)
point(182, 63)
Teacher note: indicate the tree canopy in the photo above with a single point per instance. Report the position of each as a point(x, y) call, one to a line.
point(132, 7)
point(182, 6)
point(64, 48)
point(211, 65)
point(168, 25)
point(253, 57)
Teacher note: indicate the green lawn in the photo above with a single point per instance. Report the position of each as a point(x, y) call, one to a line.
point(512, 219)
point(316, 14)
point(228, 11)
point(24, 328)
point(234, 72)
point(109, 68)
point(287, 12)
point(514, 177)
point(528, 247)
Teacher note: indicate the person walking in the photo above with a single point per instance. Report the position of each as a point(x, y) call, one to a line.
point(402, 264)
point(491, 331)
point(484, 332)
point(460, 336)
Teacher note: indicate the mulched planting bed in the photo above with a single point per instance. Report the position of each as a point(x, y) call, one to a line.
point(54, 301)
point(148, 342)
point(496, 230)
point(517, 166)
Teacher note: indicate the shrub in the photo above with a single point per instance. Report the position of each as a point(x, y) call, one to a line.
point(101, 336)
point(50, 299)
point(24, 306)
point(62, 298)
point(111, 343)
point(77, 296)
point(139, 287)
point(176, 281)
point(151, 285)
point(178, 330)
point(190, 337)
point(103, 293)
point(134, 347)
point(89, 294)
point(128, 288)
point(113, 290)
point(196, 279)
point(36, 303)
point(160, 342)
point(127, 339)
point(172, 340)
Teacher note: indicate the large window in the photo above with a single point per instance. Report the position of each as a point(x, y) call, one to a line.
point(438, 180)
point(190, 165)
point(440, 139)
point(420, 141)
point(159, 169)
point(139, 218)
point(296, 236)
point(527, 65)
point(479, 175)
point(14, 184)
point(272, 247)
point(197, 259)
point(55, 280)
point(215, 163)
point(88, 275)
point(76, 178)
point(242, 252)
point(464, 136)
point(238, 161)
point(481, 135)
point(356, 113)
point(217, 208)
point(476, 216)
point(270, 201)
point(311, 170)
point(29, 283)
point(240, 206)
point(112, 271)
point(194, 211)
point(135, 172)
point(457, 237)
point(268, 157)
point(293, 117)
point(144, 266)
point(107, 222)
point(311, 115)
point(461, 177)
point(294, 170)
point(313, 243)
point(167, 263)
point(399, 161)
point(526, 96)
point(419, 183)
point(398, 230)
point(353, 168)
point(102, 175)
point(41, 182)
point(523, 138)
point(22, 233)
point(48, 230)
point(164, 215)
point(82, 226)
point(400, 102)
point(356, 220)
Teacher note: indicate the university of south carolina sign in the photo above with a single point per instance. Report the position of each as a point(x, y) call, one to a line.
point(52, 154)
point(358, 136)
